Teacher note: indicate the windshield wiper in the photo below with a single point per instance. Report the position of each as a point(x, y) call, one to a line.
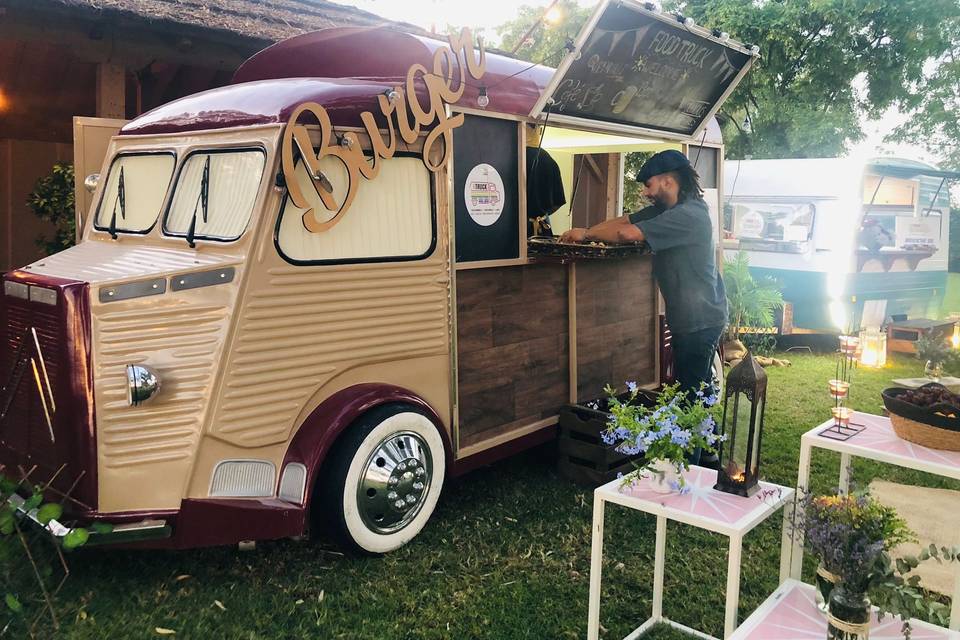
point(121, 199)
point(202, 201)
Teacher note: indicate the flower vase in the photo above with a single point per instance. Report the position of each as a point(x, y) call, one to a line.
point(825, 582)
point(849, 615)
point(933, 370)
point(663, 476)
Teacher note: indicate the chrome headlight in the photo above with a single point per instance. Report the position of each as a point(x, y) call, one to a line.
point(91, 181)
point(142, 384)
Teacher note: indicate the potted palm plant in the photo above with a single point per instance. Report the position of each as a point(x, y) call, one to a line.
point(750, 302)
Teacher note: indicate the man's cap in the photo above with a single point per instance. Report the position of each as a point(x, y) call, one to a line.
point(669, 160)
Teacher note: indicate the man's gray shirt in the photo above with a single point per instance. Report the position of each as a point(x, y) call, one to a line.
point(684, 264)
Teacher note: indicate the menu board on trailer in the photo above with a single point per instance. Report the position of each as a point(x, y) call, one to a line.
point(637, 68)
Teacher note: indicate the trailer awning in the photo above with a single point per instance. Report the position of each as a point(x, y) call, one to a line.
point(638, 71)
point(907, 169)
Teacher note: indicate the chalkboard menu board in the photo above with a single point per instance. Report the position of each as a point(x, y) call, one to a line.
point(486, 174)
point(643, 69)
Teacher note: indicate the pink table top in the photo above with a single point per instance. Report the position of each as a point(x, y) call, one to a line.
point(879, 441)
point(699, 504)
point(791, 614)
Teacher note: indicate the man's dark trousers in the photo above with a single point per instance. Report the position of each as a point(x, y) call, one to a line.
point(693, 364)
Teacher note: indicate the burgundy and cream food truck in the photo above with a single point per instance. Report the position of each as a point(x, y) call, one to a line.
point(309, 296)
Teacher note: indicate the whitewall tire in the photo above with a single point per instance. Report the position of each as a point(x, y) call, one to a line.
point(383, 479)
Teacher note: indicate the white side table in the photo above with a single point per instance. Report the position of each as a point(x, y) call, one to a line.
point(877, 441)
point(791, 613)
point(703, 507)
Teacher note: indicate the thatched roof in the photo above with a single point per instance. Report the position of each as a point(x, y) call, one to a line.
point(270, 20)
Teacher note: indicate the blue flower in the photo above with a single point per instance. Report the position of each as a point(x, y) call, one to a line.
point(632, 386)
point(680, 437)
point(710, 400)
point(706, 426)
point(608, 437)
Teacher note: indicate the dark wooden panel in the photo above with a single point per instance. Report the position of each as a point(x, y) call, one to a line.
point(616, 324)
point(512, 346)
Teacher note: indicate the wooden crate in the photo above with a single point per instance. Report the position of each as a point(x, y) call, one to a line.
point(583, 457)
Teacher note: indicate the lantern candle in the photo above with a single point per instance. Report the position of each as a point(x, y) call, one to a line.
point(841, 415)
point(745, 396)
point(839, 389)
point(873, 348)
point(955, 338)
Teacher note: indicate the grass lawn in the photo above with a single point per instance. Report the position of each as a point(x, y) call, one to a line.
point(506, 556)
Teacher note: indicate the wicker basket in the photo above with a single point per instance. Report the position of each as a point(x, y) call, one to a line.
point(927, 426)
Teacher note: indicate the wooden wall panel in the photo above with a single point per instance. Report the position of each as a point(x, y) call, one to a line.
point(22, 163)
point(512, 348)
point(616, 324)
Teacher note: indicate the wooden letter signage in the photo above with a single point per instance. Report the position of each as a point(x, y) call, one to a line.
point(403, 111)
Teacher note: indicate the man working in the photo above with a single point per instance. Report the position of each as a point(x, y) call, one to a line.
point(679, 232)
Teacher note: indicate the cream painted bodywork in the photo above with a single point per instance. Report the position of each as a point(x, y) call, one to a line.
point(242, 364)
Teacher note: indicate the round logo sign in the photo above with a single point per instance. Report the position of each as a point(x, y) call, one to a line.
point(483, 194)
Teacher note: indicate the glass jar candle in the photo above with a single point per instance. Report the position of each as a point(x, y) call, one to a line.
point(839, 389)
point(841, 415)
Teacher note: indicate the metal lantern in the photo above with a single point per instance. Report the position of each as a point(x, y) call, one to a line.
point(744, 401)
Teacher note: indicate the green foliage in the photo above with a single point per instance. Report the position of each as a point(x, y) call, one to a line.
point(671, 430)
point(750, 303)
point(545, 44)
point(53, 200)
point(24, 567)
point(825, 64)
point(759, 344)
point(934, 103)
point(633, 198)
point(897, 593)
point(934, 348)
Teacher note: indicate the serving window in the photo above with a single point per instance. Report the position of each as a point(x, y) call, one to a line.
point(134, 192)
point(772, 226)
point(391, 218)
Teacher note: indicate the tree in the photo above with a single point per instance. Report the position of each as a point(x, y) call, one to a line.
point(934, 107)
point(545, 44)
point(52, 200)
point(825, 65)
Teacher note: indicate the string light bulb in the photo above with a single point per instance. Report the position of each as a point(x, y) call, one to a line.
point(753, 48)
point(482, 98)
point(393, 96)
point(651, 6)
point(722, 36)
point(685, 21)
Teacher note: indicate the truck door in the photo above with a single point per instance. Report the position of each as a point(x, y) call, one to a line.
point(91, 137)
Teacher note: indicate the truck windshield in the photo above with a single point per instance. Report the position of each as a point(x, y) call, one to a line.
point(134, 192)
point(214, 194)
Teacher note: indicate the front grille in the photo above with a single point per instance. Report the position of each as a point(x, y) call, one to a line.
point(63, 448)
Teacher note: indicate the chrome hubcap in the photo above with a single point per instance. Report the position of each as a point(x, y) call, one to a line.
point(395, 482)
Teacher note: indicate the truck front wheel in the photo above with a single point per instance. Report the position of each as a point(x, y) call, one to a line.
point(383, 480)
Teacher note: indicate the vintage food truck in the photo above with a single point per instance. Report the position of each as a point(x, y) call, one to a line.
point(852, 242)
point(288, 306)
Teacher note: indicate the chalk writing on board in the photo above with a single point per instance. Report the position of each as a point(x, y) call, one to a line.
point(637, 69)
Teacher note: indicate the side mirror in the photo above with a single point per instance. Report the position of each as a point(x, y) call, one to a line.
point(91, 182)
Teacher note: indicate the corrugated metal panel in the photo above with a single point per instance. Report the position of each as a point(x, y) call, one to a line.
point(306, 325)
point(181, 343)
point(94, 261)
